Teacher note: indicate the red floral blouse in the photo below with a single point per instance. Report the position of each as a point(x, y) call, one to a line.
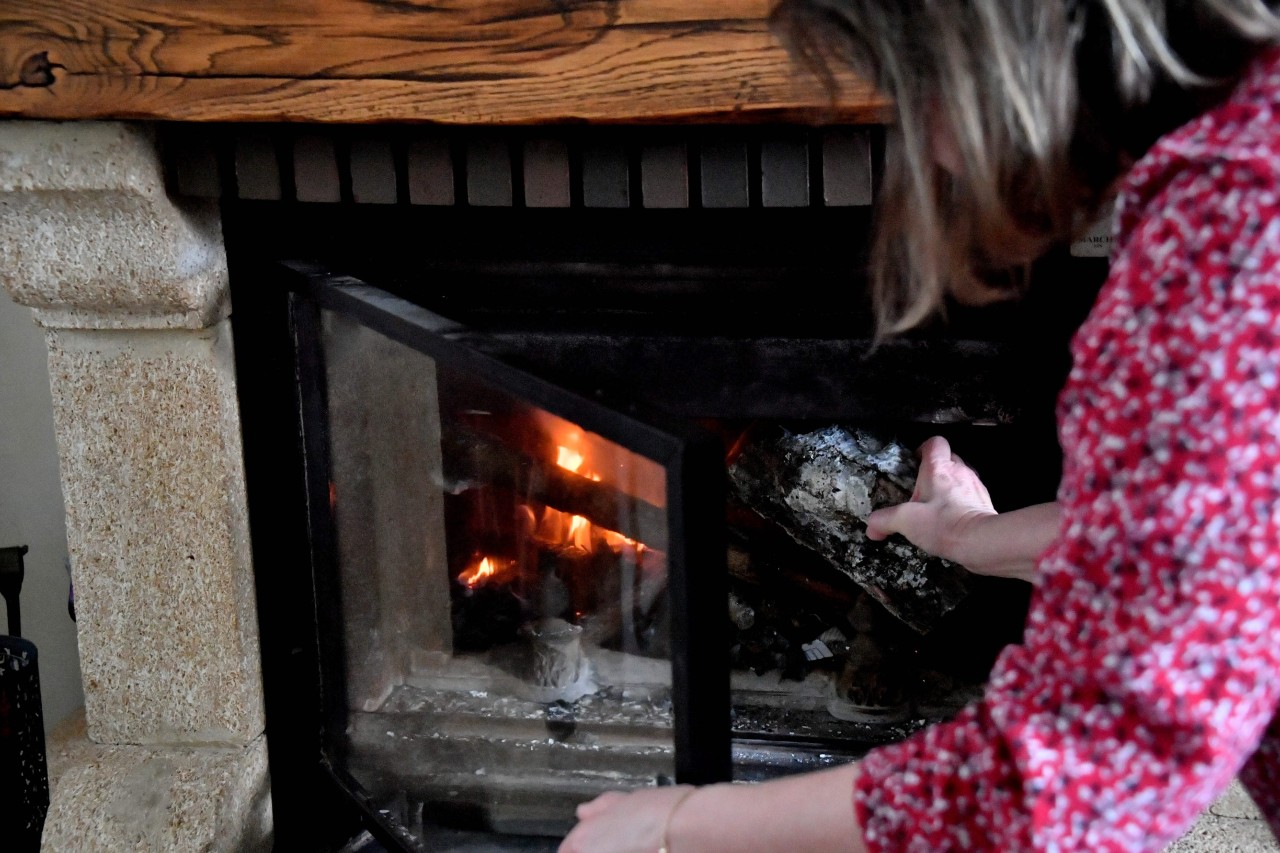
point(1149, 674)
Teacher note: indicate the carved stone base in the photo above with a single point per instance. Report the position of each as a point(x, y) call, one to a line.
point(108, 798)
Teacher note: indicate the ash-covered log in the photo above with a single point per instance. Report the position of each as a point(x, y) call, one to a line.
point(821, 486)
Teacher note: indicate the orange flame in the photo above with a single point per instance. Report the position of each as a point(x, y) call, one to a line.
point(617, 541)
point(570, 459)
point(485, 569)
point(594, 457)
point(580, 533)
point(577, 452)
point(556, 529)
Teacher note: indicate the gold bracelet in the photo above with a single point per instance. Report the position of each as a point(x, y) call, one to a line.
point(666, 829)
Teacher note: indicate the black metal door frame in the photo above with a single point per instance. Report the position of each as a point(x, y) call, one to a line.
point(695, 499)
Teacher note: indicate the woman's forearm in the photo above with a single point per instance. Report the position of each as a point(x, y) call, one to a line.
point(810, 811)
point(1007, 544)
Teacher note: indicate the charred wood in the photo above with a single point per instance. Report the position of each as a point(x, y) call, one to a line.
point(472, 460)
point(821, 486)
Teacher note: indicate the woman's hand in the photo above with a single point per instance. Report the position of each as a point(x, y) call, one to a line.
point(948, 501)
point(950, 515)
point(624, 823)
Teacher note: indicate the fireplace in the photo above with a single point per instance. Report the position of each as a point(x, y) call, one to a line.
point(711, 320)
point(517, 504)
point(403, 179)
point(516, 586)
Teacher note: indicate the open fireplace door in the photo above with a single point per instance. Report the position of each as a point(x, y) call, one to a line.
point(519, 591)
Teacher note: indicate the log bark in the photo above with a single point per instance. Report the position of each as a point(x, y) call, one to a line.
point(821, 486)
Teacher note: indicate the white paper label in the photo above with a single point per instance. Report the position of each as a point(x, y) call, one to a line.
point(1096, 242)
point(817, 650)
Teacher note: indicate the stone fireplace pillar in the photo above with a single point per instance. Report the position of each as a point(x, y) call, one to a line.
point(131, 290)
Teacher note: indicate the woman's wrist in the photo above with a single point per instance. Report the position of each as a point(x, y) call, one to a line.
point(1005, 544)
point(970, 542)
point(668, 832)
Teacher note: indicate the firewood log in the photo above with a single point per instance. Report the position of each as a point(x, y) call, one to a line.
point(820, 487)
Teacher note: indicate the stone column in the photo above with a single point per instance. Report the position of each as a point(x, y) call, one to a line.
point(131, 289)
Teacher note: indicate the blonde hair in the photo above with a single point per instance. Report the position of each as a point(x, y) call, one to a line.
point(1043, 103)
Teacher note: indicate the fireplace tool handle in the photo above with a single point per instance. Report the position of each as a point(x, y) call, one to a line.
point(24, 776)
point(11, 575)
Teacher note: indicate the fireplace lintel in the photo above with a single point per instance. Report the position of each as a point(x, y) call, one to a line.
point(517, 62)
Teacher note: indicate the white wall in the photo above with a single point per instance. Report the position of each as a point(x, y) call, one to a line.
point(31, 508)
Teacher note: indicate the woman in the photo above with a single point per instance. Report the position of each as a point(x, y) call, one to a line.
point(1149, 674)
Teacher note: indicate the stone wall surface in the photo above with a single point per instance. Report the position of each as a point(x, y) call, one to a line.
point(131, 289)
point(154, 490)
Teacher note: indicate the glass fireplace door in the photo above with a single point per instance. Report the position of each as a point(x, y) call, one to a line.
point(515, 586)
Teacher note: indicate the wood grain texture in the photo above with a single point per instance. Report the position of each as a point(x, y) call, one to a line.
point(449, 61)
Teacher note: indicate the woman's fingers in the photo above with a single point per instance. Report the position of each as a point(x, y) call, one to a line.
point(946, 491)
point(935, 455)
point(599, 804)
point(936, 451)
point(903, 518)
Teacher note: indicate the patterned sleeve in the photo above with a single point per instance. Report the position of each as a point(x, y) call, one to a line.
point(1150, 666)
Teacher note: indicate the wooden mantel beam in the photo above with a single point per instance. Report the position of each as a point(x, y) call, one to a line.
point(451, 61)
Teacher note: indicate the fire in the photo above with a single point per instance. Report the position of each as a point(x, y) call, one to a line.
point(482, 571)
point(617, 541)
point(572, 460)
point(564, 530)
point(580, 533)
point(595, 457)
point(567, 534)
point(558, 529)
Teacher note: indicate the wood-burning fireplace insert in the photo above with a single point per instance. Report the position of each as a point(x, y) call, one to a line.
point(505, 557)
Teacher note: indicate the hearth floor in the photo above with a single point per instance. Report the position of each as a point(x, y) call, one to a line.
point(1231, 825)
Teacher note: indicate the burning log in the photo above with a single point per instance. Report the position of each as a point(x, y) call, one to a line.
point(821, 486)
point(474, 459)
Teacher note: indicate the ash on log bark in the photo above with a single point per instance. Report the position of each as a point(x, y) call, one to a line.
point(821, 486)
